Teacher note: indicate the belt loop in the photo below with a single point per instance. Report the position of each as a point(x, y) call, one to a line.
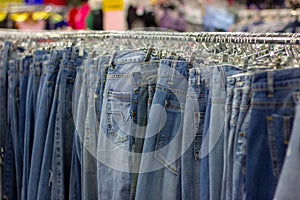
point(270, 77)
point(173, 69)
point(73, 54)
point(111, 64)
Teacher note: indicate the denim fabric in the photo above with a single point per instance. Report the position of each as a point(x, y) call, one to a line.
point(64, 124)
point(13, 119)
point(45, 63)
point(24, 65)
point(3, 91)
point(81, 112)
point(204, 164)
point(195, 111)
point(230, 82)
point(235, 109)
point(239, 156)
point(146, 79)
point(216, 130)
point(9, 185)
point(113, 149)
point(272, 112)
point(160, 166)
point(11, 169)
point(3, 116)
point(75, 178)
point(47, 86)
point(39, 171)
point(103, 64)
point(31, 102)
point(288, 183)
point(91, 129)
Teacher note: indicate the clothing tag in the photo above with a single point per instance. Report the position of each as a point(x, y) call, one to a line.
point(81, 51)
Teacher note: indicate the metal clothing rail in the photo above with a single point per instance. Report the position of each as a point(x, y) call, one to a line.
point(197, 37)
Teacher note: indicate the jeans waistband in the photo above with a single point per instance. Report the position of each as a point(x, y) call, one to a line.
point(276, 79)
point(25, 63)
point(72, 58)
point(149, 69)
point(103, 62)
point(127, 56)
point(55, 58)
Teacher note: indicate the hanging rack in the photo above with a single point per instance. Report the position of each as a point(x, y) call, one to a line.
point(198, 37)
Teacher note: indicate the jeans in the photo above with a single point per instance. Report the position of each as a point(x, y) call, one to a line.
point(24, 65)
point(230, 83)
point(64, 127)
point(31, 102)
point(89, 162)
point(75, 177)
point(39, 166)
point(160, 163)
point(47, 86)
point(146, 79)
point(216, 130)
point(3, 118)
point(239, 153)
point(115, 134)
point(13, 119)
point(230, 146)
point(195, 112)
point(271, 118)
point(288, 183)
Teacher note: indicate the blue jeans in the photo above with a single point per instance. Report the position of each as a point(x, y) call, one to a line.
point(239, 153)
point(146, 79)
point(272, 113)
point(63, 128)
point(115, 134)
point(75, 178)
point(195, 114)
point(230, 83)
point(3, 118)
point(231, 134)
point(288, 183)
point(216, 129)
point(89, 162)
point(160, 163)
point(31, 102)
point(24, 75)
point(13, 119)
point(47, 86)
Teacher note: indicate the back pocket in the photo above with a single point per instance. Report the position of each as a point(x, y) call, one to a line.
point(279, 130)
point(118, 116)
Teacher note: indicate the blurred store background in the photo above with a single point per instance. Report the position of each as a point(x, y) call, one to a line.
point(174, 15)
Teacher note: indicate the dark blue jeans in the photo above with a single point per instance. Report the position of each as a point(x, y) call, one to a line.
point(13, 119)
point(47, 86)
point(288, 185)
point(24, 65)
point(75, 178)
point(272, 113)
point(31, 102)
point(64, 127)
point(3, 116)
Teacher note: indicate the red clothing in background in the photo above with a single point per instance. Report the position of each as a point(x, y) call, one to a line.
point(81, 16)
point(56, 2)
point(72, 17)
